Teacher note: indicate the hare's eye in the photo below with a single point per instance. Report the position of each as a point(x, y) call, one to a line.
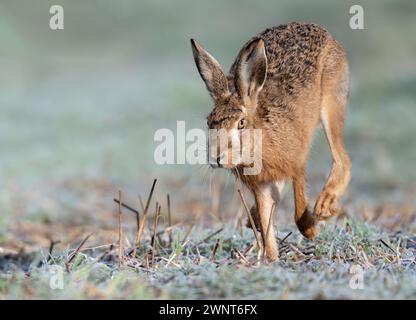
point(241, 123)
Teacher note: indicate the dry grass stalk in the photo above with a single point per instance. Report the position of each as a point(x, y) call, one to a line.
point(152, 240)
point(154, 233)
point(124, 205)
point(241, 257)
point(169, 220)
point(296, 250)
point(399, 259)
point(136, 212)
point(132, 253)
point(120, 233)
point(50, 251)
point(67, 268)
point(169, 261)
point(388, 246)
point(248, 249)
point(198, 257)
point(79, 248)
point(68, 263)
point(260, 255)
point(146, 260)
point(150, 195)
point(139, 233)
point(143, 221)
point(253, 225)
point(210, 236)
point(137, 225)
point(97, 247)
point(214, 251)
point(270, 220)
point(285, 238)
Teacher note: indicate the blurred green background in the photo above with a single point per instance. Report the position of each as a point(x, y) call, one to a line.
point(85, 101)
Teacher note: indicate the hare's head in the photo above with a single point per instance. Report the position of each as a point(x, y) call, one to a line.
point(235, 99)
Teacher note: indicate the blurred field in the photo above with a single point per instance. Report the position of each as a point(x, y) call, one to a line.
point(79, 108)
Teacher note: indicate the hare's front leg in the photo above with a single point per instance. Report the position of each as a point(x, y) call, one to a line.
point(304, 219)
point(265, 196)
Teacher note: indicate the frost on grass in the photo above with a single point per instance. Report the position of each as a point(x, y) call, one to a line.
point(188, 269)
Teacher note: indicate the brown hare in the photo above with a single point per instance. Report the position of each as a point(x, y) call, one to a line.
point(284, 81)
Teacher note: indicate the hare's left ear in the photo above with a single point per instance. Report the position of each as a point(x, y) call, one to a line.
point(250, 69)
point(210, 71)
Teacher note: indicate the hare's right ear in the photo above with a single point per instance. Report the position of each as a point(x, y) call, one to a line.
point(251, 69)
point(210, 71)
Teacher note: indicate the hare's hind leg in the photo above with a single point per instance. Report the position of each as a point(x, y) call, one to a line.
point(334, 105)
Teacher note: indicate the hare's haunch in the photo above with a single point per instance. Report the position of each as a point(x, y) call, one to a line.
point(284, 81)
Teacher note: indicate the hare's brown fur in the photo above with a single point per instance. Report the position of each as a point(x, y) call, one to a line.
point(306, 82)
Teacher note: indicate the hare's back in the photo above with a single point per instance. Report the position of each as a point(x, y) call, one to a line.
point(293, 52)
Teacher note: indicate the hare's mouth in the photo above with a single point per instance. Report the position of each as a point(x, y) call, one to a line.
point(224, 165)
point(221, 162)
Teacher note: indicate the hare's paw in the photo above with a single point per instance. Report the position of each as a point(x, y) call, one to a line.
point(309, 232)
point(272, 254)
point(326, 206)
point(307, 225)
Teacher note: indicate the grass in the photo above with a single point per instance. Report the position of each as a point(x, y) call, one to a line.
point(217, 261)
point(306, 271)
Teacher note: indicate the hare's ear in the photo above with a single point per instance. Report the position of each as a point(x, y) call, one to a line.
point(210, 71)
point(250, 69)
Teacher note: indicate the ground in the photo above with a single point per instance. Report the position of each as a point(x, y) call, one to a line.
point(363, 253)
